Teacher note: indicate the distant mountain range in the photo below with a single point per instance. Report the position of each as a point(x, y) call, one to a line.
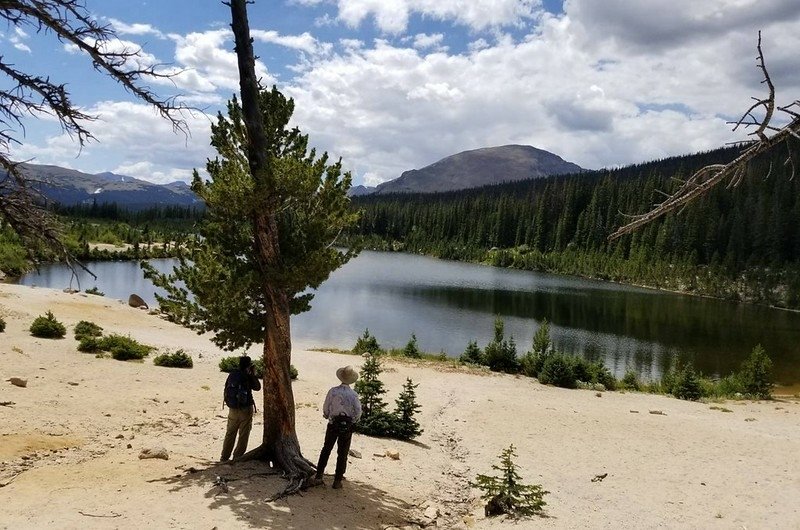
point(475, 168)
point(468, 169)
point(70, 187)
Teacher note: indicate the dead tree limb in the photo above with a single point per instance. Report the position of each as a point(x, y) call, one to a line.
point(28, 95)
point(734, 172)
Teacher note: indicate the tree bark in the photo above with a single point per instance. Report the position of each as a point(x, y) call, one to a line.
point(280, 444)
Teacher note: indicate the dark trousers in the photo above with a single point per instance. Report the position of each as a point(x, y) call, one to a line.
point(342, 440)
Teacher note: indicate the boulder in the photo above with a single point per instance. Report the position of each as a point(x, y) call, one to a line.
point(136, 301)
point(18, 381)
point(393, 454)
point(154, 452)
point(354, 453)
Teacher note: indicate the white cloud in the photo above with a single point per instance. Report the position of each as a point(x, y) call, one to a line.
point(123, 28)
point(304, 42)
point(391, 16)
point(585, 93)
point(423, 41)
point(153, 173)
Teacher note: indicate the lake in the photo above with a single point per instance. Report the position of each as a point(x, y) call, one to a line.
point(447, 304)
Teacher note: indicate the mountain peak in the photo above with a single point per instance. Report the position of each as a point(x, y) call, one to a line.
point(480, 167)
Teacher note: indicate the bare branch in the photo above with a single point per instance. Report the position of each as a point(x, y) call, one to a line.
point(734, 172)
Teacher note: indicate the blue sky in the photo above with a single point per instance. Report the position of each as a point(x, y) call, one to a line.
point(391, 85)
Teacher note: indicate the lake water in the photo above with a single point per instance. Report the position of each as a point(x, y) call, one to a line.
point(446, 304)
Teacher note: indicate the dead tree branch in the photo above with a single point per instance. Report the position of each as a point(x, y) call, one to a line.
point(734, 172)
point(29, 95)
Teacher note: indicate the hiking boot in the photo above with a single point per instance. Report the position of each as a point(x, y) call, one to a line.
point(337, 483)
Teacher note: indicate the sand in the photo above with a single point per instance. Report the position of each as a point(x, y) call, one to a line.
point(69, 443)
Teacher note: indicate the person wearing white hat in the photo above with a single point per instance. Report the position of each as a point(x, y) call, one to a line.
point(342, 409)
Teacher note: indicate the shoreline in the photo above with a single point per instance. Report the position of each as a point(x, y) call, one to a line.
point(81, 422)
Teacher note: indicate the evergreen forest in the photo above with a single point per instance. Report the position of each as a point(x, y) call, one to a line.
point(740, 243)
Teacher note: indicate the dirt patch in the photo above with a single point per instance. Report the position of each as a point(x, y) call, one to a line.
point(16, 445)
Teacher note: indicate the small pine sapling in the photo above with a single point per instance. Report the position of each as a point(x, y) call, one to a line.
point(406, 426)
point(366, 343)
point(375, 419)
point(411, 349)
point(472, 355)
point(505, 494)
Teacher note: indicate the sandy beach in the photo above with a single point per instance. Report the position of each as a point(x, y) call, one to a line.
point(70, 441)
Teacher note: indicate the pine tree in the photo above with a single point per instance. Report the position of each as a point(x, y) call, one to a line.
point(406, 426)
point(411, 349)
point(472, 355)
point(375, 419)
point(366, 343)
point(505, 494)
point(541, 339)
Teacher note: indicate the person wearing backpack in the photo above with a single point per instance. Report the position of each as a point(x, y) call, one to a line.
point(342, 409)
point(239, 398)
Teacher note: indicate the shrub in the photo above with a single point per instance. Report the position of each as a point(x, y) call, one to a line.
point(48, 327)
point(366, 343)
point(406, 427)
point(411, 349)
point(472, 355)
point(755, 375)
point(87, 329)
point(602, 375)
point(541, 339)
point(293, 373)
point(229, 364)
point(686, 384)
point(95, 291)
point(583, 370)
point(557, 370)
point(179, 359)
point(2, 325)
point(631, 381)
point(124, 348)
point(506, 494)
point(89, 345)
point(500, 355)
point(531, 363)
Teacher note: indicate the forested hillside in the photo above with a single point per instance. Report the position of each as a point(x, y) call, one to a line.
point(741, 243)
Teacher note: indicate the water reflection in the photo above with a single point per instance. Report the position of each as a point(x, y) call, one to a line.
point(447, 304)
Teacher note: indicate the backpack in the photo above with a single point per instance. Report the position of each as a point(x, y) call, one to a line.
point(237, 391)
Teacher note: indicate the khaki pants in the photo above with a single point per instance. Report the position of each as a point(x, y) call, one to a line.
point(240, 421)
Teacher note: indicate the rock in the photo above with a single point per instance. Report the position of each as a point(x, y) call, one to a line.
point(749, 419)
point(431, 512)
point(393, 454)
point(154, 452)
point(469, 521)
point(18, 381)
point(634, 411)
point(120, 437)
point(135, 300)
point(354, 453)
point(380, 455)
point(70, 290)
point(130, 446)
point(72, 383)
point(658, 412)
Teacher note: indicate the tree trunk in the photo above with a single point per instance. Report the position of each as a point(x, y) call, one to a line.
point(280, 445)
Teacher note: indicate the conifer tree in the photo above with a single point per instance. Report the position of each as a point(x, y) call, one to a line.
point(375, 419)
point(366, 343)
point(411, 349)
point(406, 426)
point(472, 355)
point(506, 494)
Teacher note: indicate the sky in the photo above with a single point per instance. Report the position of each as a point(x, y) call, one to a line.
point(393, 85)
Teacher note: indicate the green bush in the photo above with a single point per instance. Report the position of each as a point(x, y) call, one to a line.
point(95, 291)
point(602, 375)
point(506, 494)
point(47, 327)
point(366, 343)
point(229, 364)
point(472, 355)
point(411, 349)
point(684, 383)
point(179, 359)
point(541, 339)
point(2, 325)
point(89, 345)
point(531, 363)
point(755, 375)
point(87, 329)
point(557, 370)
point(631, 381)
point(124, 348)
point(293, 373)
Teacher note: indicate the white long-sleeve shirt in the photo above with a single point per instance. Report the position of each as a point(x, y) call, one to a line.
point(341, 400)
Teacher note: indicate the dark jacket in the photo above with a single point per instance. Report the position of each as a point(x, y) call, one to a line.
point(251, 382)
